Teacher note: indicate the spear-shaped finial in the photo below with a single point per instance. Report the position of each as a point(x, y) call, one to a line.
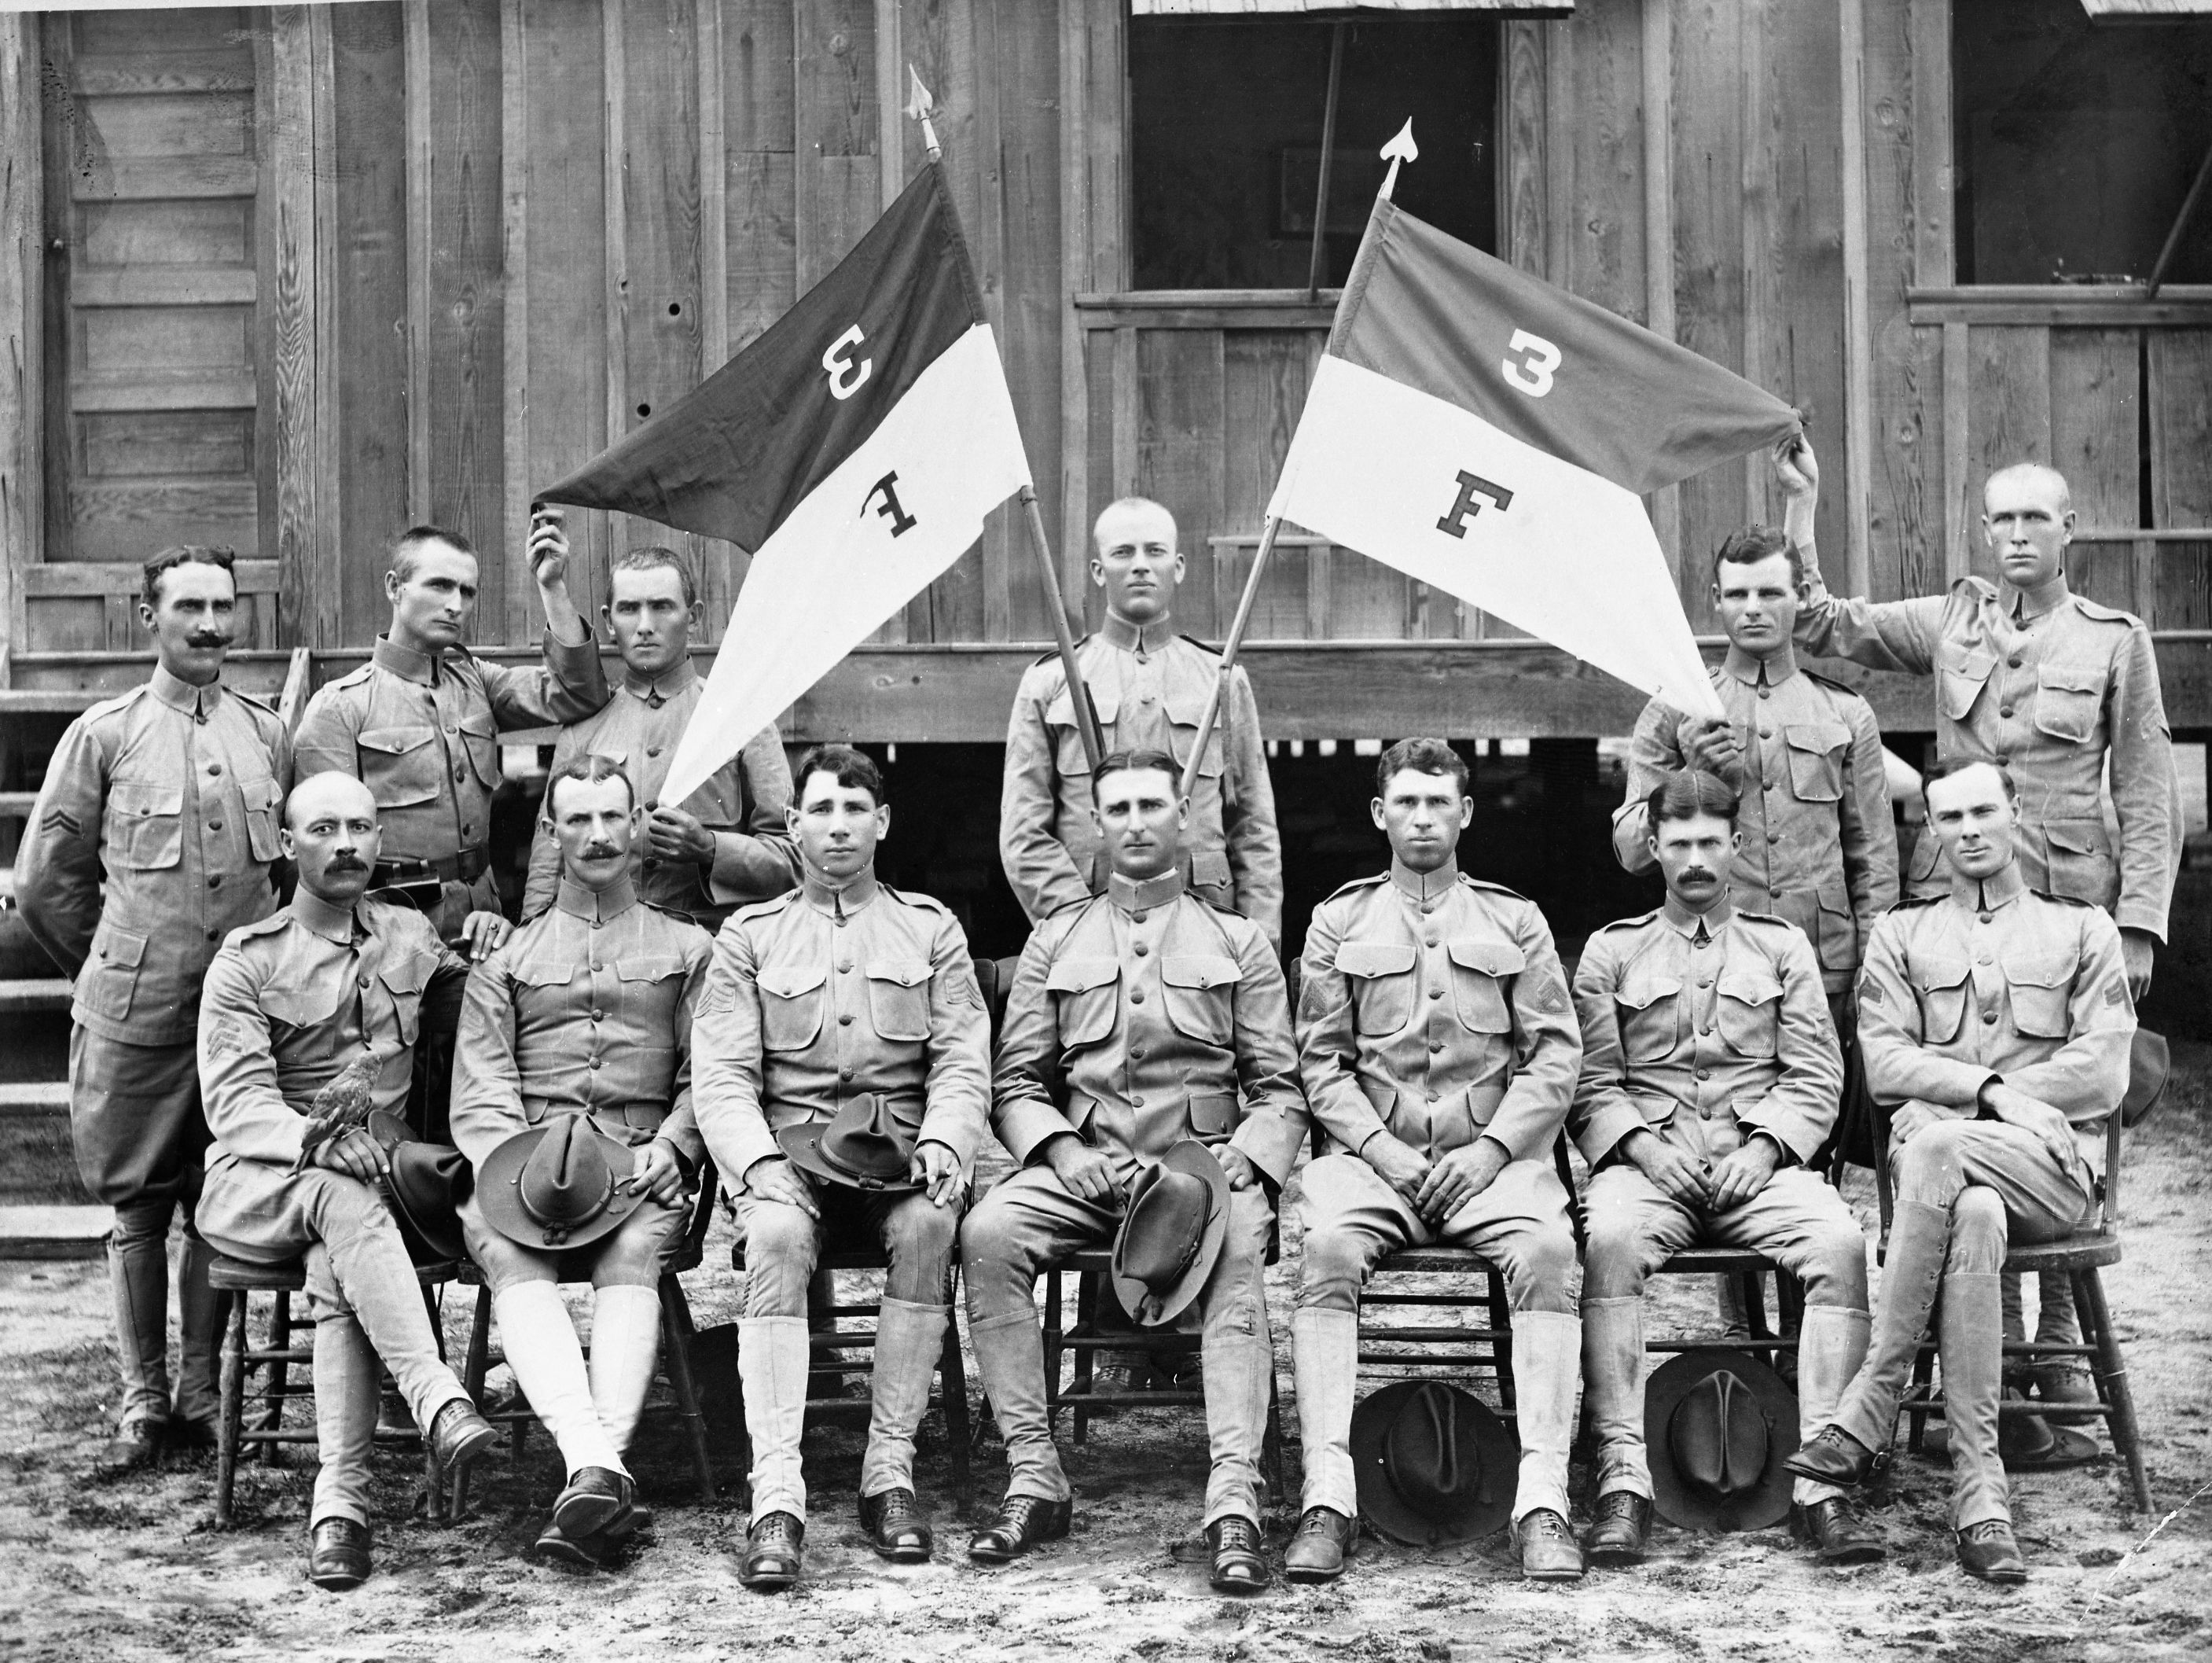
point(920, 105)
point(1401, 149)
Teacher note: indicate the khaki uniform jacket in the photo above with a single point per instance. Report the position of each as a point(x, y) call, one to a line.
point(1432, 1006)
point(423, 733)
point(289, 1001)
point(742, 804)
point(2049, 702)
point(821, 997)
point(1704, 1030)
point(1996, 981)
point(586, 1009)
point(152, 839)
point(1818, 847)
point(1150, 688)
point(1169, 1020)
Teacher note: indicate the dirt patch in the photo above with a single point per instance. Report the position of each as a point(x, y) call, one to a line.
point(133, 1569)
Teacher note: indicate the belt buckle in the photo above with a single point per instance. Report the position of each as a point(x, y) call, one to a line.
point(412, 882)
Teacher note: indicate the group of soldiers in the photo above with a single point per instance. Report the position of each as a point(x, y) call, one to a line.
point(725, 987)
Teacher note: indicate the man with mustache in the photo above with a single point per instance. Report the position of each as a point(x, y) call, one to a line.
point(1710, 1077)
point(419, 723)
point(338, 975)
point(1996, 1023)
point(842, 999)
point(153, 838)
point(725, 845)
point(587, 1010)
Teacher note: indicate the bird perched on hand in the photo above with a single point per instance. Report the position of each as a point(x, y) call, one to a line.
point(339, 1107)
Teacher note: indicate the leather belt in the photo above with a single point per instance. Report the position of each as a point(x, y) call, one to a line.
point(465, 867)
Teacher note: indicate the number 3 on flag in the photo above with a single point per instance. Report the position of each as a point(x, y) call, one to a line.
point(1539, 358)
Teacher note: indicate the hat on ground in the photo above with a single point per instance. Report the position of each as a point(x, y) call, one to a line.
point(1172, 1237)
point(1432, 1463)
point(426, 1184)
point(862, 1146)
point(2149, 1059)
point(2026, 1443)
point(557, 1185)
point(1717, 1424)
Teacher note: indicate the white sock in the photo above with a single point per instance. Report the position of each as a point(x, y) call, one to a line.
point(625, 1352)
point(541, 1348)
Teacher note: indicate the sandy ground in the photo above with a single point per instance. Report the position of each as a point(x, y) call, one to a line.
point(134, 1568)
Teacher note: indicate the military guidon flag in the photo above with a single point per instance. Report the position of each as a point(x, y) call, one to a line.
point(1488, 433)
point(855, 448)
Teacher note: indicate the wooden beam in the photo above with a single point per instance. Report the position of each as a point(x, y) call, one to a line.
point(1659, 227)
point(416, 21)
point(1958, 383)
point(324, 627)
point(291, 518)
point(1520, 170)
point(713, 197)
point(22, 260)
point(514, 233)
point(1858, 327)
point(891, 99)
point(1075, 279)
point(1934, 254)
point(616, 202)
point(2105, 306)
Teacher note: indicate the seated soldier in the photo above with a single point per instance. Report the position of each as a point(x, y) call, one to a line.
point(308, 1021)
point(843, 1004)
point(1996, 1022)
point(1709, 1075)
point(586, 1011)
point(1162, 1010)
point(1441, 1118)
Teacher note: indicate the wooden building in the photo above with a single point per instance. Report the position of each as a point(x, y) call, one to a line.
point(294, 278)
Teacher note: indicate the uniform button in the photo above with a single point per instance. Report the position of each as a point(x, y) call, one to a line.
point(1708, 981)
point(456, 775)
point(1767, 733)
point(652, 750)
point(844, 1073)
point(215, 825)
point(214, 768)
point(1142, 949)
point(1136, 1053)
point(214, 883)
point(1427, 907)
point(1148, 699)
point(1137, 918)
point(593, 1062)
point(1774, 837)
point(1707, 1030)
point(1436, 993)
point(1704, 1114)
point(844, 1021)
point(1705, 1074)
point(1989, 1017)
point(1435, 1045)
point(2004, 762)
point(845, 966)
point(597, 1016)
point(364, 981)
point(1767, 693)
point(1702, 941)
point(1433, 940)
point(2012, 662)
point(596, 923)
point(2004, 709)
point(211, 934)
point(468, 828)
point(451, 728)
point(1766, 785)
point(651, 863)
point(1136, 1102)
point(1984, 916)
point(840, 921)
point(1982, 959)
point(1137, 997)
point(597, 967)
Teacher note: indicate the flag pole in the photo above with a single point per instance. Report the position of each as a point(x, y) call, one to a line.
point(1402, 148)
point(920, 105)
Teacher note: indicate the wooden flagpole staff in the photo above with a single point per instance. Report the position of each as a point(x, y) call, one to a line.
point(1400, 148)
point(920, 105)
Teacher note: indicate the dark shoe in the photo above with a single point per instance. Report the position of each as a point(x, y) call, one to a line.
point(1616, 1528)
point(597, 1501)
point(1831, 1456)
point(1988, 1550)
point(1320, 1546)
point(1838, 1535)
point(136, 1446)
point(337, 1554)
point(1548, 1550)
point(1240, 1560)
point(897, 1528)
point(1022, 1522)
point(458, 1435)
point(772, 1551)
point(2059, 1386)
point(192, 1433)
point(572, 1552)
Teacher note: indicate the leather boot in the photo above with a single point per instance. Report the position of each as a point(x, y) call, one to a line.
point(1613, 1383)
point(1547, 1347)
point(1325, 1359)
point(1010, 1357)
point(625, 1355)
point(1548, 1549)
point(1617, 1529)
point(458, 1435)
point(909, 1338)
point(1835, 1533)
point(1919, 1238)
point(773, 1544)
point(897, 1528)
point(1321, 1547)
point(595, 1500)
point(1832, 1344)
point(1022, 1522)
point(1972, 1334)
point(337, 1554)
point(1988, 1550)
point(773, 1355)
point(1240, 1558)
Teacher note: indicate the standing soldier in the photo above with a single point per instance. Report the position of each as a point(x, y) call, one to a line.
point(726, 844)
point(310, 1023)
point(841, 1037)
point(1710, 1077)
point(419, 724)
point(2059, 692)
point(1997, 1024)
point(169, 796)
point(583, 1017)
point(1441, 1113)
point(1168, 1017)
point(1149, 687)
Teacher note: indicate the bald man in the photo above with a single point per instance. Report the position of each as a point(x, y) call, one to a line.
point(335, 977)
point(2056, 689)
point(1150, 686)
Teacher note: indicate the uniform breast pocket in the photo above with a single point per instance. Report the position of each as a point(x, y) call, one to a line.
point(1480, 972)
point(145, 824)
point(2069, 699)
point(1213, 1116)
point(543, 987)
point(2038, 988)
point(1961, 672)
point(480, 739)
point(1941, 986)
point(2081, 862)
point(1748, 1012)
point(1085, 994)
point(111, 974)
point(403, 767)
point(1816, 759)
point(404, 982)
point(898, 999)
point(1186, 709)
point(1380, 975)
point(1200, 989)
point(1068, 755)
point(307, 1012)
point(791, 1007)
point(1647, 1008)
point(262, 798)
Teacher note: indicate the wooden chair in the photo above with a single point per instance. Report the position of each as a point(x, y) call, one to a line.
point(2080, 1257)
point(677, 1335)
point(234, 1280)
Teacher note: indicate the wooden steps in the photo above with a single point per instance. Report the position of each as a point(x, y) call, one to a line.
point(51, 1232)
point(34, 995)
